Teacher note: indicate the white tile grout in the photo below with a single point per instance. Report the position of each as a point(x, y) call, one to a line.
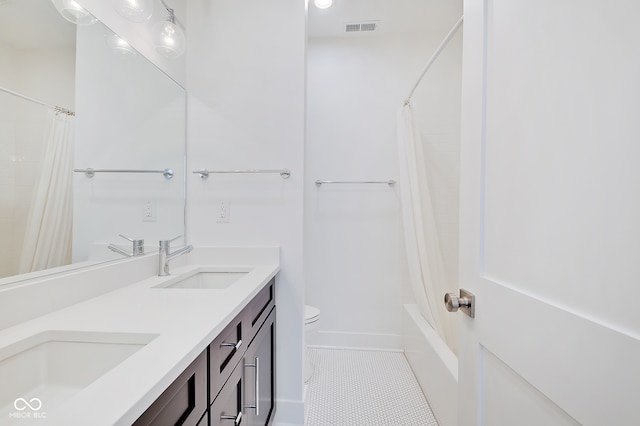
point(367, 388)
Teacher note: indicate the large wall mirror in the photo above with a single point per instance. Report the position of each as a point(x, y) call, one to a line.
point(129, 124)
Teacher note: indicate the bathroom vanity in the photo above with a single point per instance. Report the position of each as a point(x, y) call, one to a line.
point(195, 348)
point(231, 381)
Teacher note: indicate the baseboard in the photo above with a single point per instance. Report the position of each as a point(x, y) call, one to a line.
point(362, 341)
point(289, 413)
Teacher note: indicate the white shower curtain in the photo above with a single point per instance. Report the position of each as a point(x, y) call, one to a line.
point(427, 272)
point(47, 240)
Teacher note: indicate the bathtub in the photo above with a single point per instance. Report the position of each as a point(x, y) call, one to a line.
point(433, 363)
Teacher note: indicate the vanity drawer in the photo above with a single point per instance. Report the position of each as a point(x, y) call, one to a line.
point(225, 351)
point(184, 401)
point(258, 309)
point(228, 407)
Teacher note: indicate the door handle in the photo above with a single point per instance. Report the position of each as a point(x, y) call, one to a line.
point(466, 302)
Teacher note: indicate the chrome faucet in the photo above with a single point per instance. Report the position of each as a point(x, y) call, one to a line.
point(165, 255)
point(138, 247)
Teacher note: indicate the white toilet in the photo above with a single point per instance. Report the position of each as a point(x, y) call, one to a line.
point(311, 318)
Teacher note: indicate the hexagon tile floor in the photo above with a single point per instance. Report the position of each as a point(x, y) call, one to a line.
point(364, 388)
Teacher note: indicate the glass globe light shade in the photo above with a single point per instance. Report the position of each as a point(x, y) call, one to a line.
point(118, 45)
point(169, 39)
point(323, 4)
point(134, 10)
point(73, 12)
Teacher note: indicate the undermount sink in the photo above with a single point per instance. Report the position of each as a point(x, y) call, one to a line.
point(206, 279)
point(44, 370)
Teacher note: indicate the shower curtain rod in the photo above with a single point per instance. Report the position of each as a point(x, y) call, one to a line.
point(433, 58)
point(20, 95)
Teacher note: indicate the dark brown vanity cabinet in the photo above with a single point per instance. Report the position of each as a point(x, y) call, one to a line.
point(259, 373)
point(233, 381)
point(184, 402)
point(247, 397)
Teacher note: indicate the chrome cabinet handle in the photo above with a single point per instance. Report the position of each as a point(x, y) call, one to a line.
point(236, 419)
point(256, 365)
point(257, 386)
point(465, 302)
point(235, 346)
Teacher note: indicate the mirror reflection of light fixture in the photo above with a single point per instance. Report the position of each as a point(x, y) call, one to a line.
point(134, 10)
point(118, 45)
point(323, 4)
point(168, 37)
point(73, 12)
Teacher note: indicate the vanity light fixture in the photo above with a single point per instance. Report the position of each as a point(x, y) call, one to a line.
point(134, 10)
point(168, 36)
point(73, 12)
point(323, 4)
point(118, 45)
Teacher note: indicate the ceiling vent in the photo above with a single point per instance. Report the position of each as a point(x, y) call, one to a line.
point(356, 27)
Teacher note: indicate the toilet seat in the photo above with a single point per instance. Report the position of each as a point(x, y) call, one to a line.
point(311, 314)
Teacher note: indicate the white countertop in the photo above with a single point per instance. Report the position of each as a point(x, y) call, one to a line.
point(184, 320)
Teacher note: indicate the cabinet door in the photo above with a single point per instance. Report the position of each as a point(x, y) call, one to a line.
point(259, 370)
point(258, 309)
point(184, 401)
point(227, 409)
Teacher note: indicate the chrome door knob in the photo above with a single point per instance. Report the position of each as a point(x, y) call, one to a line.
point(452, 302)
point(464, 302)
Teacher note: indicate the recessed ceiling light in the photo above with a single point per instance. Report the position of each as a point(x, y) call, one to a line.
point(322, 4)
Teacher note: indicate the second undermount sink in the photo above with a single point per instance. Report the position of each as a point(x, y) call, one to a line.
point(206, 279)
point(44, 370)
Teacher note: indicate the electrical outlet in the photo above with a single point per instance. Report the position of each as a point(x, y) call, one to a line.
point(223, 212)
point(148, 211)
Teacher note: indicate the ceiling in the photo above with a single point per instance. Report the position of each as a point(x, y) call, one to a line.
point(36, 23)
point(28, 24)
point(394, 16)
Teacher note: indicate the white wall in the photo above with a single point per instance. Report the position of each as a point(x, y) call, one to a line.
point(354, 251)
point(246, 76)
point(8, 163)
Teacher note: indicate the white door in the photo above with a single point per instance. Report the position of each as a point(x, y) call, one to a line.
point(550, 213)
